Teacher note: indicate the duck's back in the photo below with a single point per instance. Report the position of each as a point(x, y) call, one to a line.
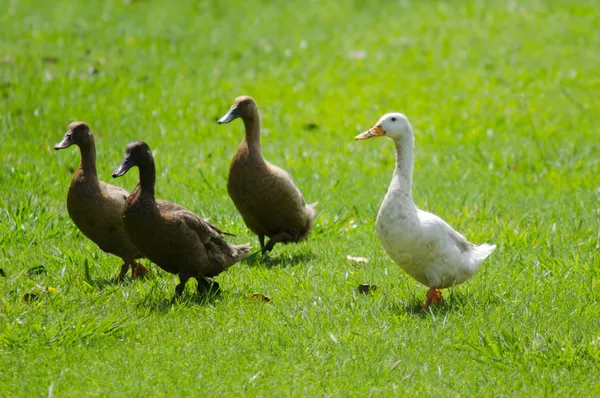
point(424, 245)
point(96, 208)
point(176, 239)
point(266, 197)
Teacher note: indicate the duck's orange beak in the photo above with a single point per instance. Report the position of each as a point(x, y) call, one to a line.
point(375, 131)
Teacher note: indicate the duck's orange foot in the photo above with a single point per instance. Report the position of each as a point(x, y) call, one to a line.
point(139, 271)
point(434, 296)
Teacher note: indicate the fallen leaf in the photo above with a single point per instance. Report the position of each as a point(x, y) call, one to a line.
point(357, 54)
point(365, 288)
point(358, 260)
point(49, 59)
point(310, 126)
point(40, 269)
point(259, 297)
point(29, 297)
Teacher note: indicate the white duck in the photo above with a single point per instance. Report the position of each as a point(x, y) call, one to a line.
point(423, 244)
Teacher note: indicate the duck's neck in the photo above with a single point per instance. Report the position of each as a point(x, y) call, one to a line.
point(402, 178)
point(147, 178)
point(252, 125)
point(88, 158)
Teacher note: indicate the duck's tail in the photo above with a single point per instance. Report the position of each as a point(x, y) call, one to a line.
point(238, 252)
point(482, 251)
point(476, 255)
point(312, 214)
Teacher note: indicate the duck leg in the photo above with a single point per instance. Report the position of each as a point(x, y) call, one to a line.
point(261, 240)
point(434, 296)
point(138, 270)
point(123, 271)
point(281, 237)
point(183, 278)
point(205, 286)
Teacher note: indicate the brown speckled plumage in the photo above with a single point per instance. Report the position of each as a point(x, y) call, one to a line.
point(265, 195)
point(95, 206)
point(174, 238)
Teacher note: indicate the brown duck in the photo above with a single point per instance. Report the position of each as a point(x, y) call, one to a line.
point(265, 195)
point(174, 238)
point(95, 206)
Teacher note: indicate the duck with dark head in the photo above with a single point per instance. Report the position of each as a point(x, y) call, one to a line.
point(174, 238)
point(95, 206)
point(265, 195)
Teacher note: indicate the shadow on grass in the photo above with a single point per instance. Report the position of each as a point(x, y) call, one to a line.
point(269, 260)
point(414, 307)
point(103, 283)
point(155, 302)
point(186, 300)
point(451, 302)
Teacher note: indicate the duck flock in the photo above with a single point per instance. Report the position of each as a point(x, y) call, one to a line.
point(137, 225)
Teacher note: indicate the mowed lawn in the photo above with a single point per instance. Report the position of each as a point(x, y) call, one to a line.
point(503, 98)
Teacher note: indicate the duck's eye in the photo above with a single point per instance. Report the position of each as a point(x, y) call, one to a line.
point(393, 119)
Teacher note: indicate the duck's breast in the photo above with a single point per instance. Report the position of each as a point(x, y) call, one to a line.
point(267, 198)
point(97, 214)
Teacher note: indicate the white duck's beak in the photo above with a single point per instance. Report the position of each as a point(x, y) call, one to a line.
point(375, 131)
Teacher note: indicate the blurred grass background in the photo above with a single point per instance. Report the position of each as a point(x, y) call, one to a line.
point(503, 100)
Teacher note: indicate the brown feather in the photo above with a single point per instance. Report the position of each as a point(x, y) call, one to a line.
point(171, 236)
point(265, 195)
point(95, 206)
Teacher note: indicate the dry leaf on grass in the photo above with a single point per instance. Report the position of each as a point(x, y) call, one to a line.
point(49, 59)
point(259, 297)
point(358, 260)
point(365, 288)
point(30, 297)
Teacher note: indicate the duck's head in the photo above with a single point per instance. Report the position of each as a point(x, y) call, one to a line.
point(393, 125)
point(79, 133)
point(243, 106)
point(137, 154)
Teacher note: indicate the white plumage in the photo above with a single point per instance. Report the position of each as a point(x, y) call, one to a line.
point(421, 243)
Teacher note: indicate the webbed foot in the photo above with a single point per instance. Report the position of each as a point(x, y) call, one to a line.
point(434, 296)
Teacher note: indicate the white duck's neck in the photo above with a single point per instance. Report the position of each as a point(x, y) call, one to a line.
point(402, 178)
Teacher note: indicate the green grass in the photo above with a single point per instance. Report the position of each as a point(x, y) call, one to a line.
point(503, 97)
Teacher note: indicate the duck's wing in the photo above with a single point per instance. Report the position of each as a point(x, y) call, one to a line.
point(286, 179)
point(205, 230)
point(114, 192)
point(168, 207)
point(440, 229)
point(461, 242)
point(180, 211)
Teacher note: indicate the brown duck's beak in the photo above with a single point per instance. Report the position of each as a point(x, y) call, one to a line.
point(123, 168)
point(66, 142)
point(375, 131)
point(232, 114)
